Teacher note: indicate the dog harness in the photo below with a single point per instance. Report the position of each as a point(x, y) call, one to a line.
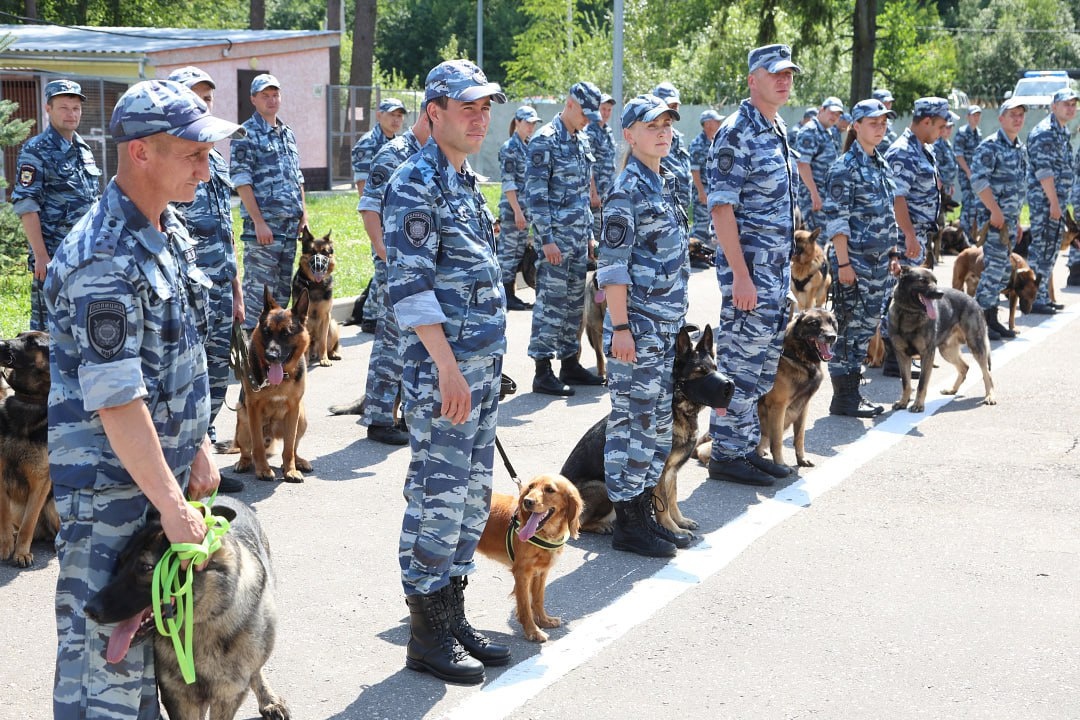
point(535, 540)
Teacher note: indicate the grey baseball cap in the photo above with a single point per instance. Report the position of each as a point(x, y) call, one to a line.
point(191, 76)
point(391, 105)
point(261, 82)
point(526, 113)
point(461, 80)
point(931, 107)
point(871, 108)
point(1013, 102)
point(63, 87)
point(646, 108)
point(710, 114)
point(164, 106)
point(833, 103)
point(588, 96)
point(773, 58)
point(882, 94)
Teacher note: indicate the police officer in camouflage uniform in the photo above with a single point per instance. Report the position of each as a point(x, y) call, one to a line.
point(129, 404)
point(885, 98)
point(751, 173)
point(208, 219)
point(557, 197)
point(998, 175)
point(513, 217)
point(916, 196)
point(56, 183)
point(265, 169)
point(793, 132)
point(699, 153)
point(602, 143)
point(862, 228)
point(390, 118)
point(1073, 258)
point(644, 267)
point(443, 278)
point(1049, 184)
point(967, 140)
point(818, 145)
point(677, 162)
point(385, 364)
point(945, 157)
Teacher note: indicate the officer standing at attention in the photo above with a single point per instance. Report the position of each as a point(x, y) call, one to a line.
point(1049, 184)
point(677, 162)
point(513, 216)
point(265, 169)
point(998, 175)
point(862, 228)
point(443, 278)
point(602, 144)
point(644, 268)
point(916, 196)
point(967, 140)
point(383, 386)
point(557, 197)
point(818, 146)
point(946, 157)
point(208, 219)
point(885, 98)
point(699, 154)
point(57, 182)
point(752, 180)
point(390, 118)
point(129, 404)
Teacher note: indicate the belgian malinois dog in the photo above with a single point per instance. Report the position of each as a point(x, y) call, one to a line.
point(316, 275)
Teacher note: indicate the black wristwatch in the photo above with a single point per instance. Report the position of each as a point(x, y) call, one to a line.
point(622, 326)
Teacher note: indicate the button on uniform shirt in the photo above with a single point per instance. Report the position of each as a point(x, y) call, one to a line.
point(858, 202)
point(1001, 165)
point(557, 183)
point(602, 144)
point(127, 321)
point(209, 222)
point(513, 162)
point(440, 258)
point(57, 179)
point(1049, 155)
point(268, 160)
point(363, 152)
point(915, 177)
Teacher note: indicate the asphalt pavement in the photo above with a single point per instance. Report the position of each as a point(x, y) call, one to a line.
point(927, 567)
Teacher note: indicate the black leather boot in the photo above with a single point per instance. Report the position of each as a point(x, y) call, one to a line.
point(475, 643)
point(513, 302)
point(432, 646)
point(847, 400)
point(572, 373)
point(647, 502)
point(632, 533)
point(545, 381)
point(1074, 276)
point(994, 326)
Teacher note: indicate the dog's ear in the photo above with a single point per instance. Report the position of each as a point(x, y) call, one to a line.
point(328, 234)
point(574, 507)
point(268, 301)
point(306, 237)
point(683, 344)
point(705, 343)
point(814, 235)
point(300, 307)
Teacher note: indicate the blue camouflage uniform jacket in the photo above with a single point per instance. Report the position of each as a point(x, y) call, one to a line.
point(268, 160)
point(889, 139)
point(645, 246)
point(858, 202)
point(602, 144)
point(967, 139)
point(915, 177)
point(57, 179)
point(127, 319)
point(386, 161)
point(1001, 165)
point(363, 152)
point(513, 161)
point(817, 147)
point(557, 183)
point(441, 265)
point(677, 162)
point(751, 168)
point(209, 222)
point(1049, 155)
point(947, 165)
point(699, 155)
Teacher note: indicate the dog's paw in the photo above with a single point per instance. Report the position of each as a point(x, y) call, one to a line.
point(989, 400)
point(899, 405)
point(7, 547)
point(537, 635)
point(687, 524)
point(23, 560)
point(325, 362)
point(294, 476)
point(302, 464)
point(948, 391)
point(265, 473)
point(803, 462)
point(335, 356)
point(546, 621)
point(917, 408)
point(242, 465)
point(275, 711)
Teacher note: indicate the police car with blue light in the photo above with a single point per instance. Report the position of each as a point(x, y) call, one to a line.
point(1038, 86)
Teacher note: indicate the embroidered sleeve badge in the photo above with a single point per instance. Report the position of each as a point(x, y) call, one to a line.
point(417, 227)
point(106, 326)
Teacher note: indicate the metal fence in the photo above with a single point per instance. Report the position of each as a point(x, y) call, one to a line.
point(350, 113)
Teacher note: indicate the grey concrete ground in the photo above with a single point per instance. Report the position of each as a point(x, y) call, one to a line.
point(937, 579)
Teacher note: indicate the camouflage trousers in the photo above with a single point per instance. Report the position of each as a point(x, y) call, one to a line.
point(39, 315)
point(702, 222)
point(560, 300)
point(858, 308)
point(95, 525)
point(374, 307)
point(1045, 246)
point(218, 338)
point(268, 265)
point(748, 346)
point(639, 426)
point(384, 366)
point(969, 204)
point(996, 269)
point(511, 247)
point(448, 483)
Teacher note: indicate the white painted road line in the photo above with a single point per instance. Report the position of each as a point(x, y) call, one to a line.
point(520, 683)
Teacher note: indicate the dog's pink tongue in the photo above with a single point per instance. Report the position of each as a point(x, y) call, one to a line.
point(931, 309)
point(120, 640)
point(824, 350)
point(599, 296)
point(276, 374)
point(319, 276)
point(530, 527)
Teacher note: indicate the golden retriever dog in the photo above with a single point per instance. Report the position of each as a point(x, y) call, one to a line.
point(527, 533)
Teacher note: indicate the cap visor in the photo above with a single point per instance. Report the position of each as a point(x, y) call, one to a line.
point(208, 129)
point(838, 108)
point(72, 94)
point(477, 92)
point(783, 65)
point(657, 112)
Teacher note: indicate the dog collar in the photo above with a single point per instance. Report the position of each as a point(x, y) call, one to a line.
point(534, 540)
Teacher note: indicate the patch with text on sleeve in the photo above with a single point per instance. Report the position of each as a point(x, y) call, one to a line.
point(725, 160)
point(378, 176)
point(615, 230)
point(27, 174)
point(106, 327)
point(417, 227)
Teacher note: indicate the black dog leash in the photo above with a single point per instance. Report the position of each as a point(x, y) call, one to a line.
point(506, 462)
point(507, 386)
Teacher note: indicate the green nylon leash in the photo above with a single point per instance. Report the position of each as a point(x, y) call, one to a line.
point(173, 586)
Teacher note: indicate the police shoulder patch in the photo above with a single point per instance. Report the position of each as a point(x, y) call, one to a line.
point(898, 167)
point(106, 327)
point(836, 189)
point(539, 157)
point(378, 176)
point(417, 226)
point(27, 174)
point(615, 230)
point(725, 160)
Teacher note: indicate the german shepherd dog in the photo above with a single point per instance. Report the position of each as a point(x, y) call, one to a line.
point(272, 404)
point(697, 385)
point(234, 618)
point(316, 275)
point(923, 319)
point(953, 239)
point(810, 277)
point(1022, 288)
point(935, 244)
point(1070, 236)
point(592, 322)
point(27, 509)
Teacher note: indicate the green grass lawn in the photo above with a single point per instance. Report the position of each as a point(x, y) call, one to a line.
point(327, 211)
